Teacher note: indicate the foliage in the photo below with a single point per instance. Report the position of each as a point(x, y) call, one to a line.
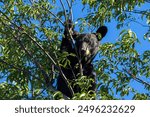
point(30, 37)
point(120, 64)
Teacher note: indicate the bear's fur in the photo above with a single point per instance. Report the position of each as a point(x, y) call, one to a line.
point(84, 47)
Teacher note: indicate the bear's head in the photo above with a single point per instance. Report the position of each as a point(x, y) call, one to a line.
point(88, 44)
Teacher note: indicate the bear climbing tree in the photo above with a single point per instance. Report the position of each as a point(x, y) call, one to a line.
point(81, 50)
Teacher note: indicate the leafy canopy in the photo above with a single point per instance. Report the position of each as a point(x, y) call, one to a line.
point(30, 37)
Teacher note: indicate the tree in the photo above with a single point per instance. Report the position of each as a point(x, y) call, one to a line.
point(30, 37)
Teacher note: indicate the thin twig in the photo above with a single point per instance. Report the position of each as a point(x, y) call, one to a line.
point(70, 9)
point(130, 20)
point(136, 78)
point(64, 9)
point(138, 12)
point(57, 18)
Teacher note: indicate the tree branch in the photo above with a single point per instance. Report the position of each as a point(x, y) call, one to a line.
point(130, 20)
point(64, 9)
point(138, 12)
point(136, 78)
point(70, 9)
point(27, 52)
point(34, 60)
point(57, 18)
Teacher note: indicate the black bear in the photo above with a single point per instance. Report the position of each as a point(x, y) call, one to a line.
point(81, 49)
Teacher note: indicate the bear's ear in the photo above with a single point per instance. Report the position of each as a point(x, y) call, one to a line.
point(101, 32)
